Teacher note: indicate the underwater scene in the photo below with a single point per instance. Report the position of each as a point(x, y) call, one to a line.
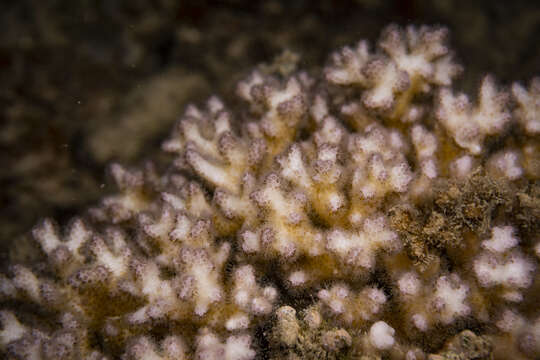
point(238, 180)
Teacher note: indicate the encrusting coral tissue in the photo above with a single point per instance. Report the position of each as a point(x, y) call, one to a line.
point(366, 212)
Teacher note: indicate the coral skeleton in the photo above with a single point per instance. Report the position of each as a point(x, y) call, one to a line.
point(370, 211)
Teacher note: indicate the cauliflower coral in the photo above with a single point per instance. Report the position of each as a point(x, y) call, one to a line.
point(364, 212)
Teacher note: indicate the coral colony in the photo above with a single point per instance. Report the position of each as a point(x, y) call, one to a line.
point(367, 212)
